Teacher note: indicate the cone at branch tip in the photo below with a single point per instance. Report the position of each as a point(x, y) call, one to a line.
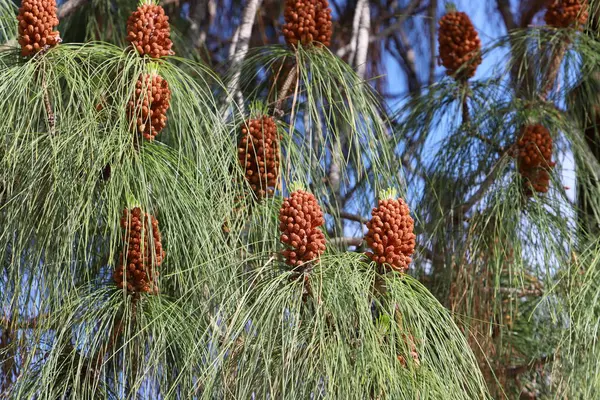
point(258, 154)
point(391, 233)
point(139, 260)
point(459, 45)
point(567, 14)
point(37, 20)
point(149, 104)
point(535, 158)
point(307, 22)
point(149, 32)
point(300, 219)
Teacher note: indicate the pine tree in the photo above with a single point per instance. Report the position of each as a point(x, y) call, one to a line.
point(272, 228)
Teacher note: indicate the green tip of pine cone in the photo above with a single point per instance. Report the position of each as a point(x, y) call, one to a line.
point(131, 201)
point(149, 2)
point(450, 7)
point(153, 68)
point(295, 186)
point(389, 193)
point(258, 108)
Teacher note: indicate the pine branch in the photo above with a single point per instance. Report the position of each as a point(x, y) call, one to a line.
point(432, 13)
point(240, 43)
point(507, 16)
point(530, 9)
point(484, 186)
point(283, 94)
point(403, 15)
point(515, 371)
point(346, 241)
point(558, 53)
point(362, 40)
point(352, 217)
point(69, 7)
point(48, 106)
point(407, 54)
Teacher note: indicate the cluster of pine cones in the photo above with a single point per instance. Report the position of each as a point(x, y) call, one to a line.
point(535, 158)
point(258, 154)
point(307, 22)
point(459, 45)
point(137, 272)
point(567, 14)
point(149, 104)
point(299, 220)
point(37, 20)
point(149, 32)
point(390, 234)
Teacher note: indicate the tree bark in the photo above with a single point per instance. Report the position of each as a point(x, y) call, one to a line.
point(240, 44)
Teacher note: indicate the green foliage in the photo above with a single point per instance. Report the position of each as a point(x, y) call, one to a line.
point(503, 296)
point(227, 322)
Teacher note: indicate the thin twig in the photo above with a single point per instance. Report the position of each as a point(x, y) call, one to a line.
point(48, 104)
point(346, 241)
point(283, 95)
point(556, 60)
point(410, 10)
point(484, 186)
point(432, 13)
point(69, 7)
point(407, 53)
point(352, 217)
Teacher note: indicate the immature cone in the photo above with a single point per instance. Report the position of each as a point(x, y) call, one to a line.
point(390, 234)
point(409, 340)
point(37, 20)
point(299, 220)
point(567, 14)
point(137, 272)
point(149, 105)
point(535, 158)
point(148, 31)
point(258, 153)
point(307, 22)
point(280, 71)
point(459, 44)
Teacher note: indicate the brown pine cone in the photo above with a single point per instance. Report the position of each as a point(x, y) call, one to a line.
point(535, 158)
point(459, 45)
point(149, 105)
point(144, 253)
point(299, 220)
point(307, 22)
point(149, 32)
point(258, 154)
point(567, 14)
point(37, 20)
point(390, 234)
